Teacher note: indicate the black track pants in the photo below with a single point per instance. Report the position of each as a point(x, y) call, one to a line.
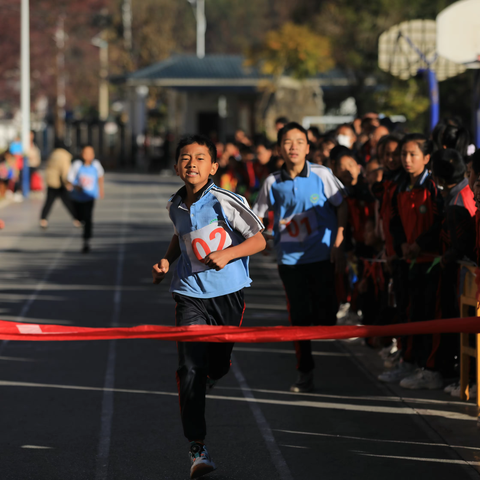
point(196, 361)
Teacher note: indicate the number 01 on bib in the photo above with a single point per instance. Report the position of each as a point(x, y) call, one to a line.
point(202, 242)
point(298, 227)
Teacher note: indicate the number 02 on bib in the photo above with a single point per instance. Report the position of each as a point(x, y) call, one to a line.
point(208, 239)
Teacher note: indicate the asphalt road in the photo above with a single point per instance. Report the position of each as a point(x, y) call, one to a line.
point(109, 409)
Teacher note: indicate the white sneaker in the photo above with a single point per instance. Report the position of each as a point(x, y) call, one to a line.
point(393, 359)
point(342, 312)
point(17, 197)
point(201, 461)
point(304, 383)
point(423, 379)
point(472, 391)
point(452, 387)
point(404, 369)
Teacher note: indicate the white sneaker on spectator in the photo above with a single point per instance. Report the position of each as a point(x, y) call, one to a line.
point(422, 379)
point(404, 369)
point(393, 360)
point(342, 312)
point(385, 352)
point(472, 391)
point(452, 387)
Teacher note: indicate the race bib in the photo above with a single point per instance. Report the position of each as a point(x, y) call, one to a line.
point(299, 227)
point(200, 243)
point(87, 182)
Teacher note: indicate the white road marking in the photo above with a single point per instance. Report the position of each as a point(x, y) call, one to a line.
point(36, 447)
point(373, 398)
point(420, 459)
point(276, 350)
point(275, 453)
point(253, 400)
point(103, 452)
point(379, 440)
point(295, 446)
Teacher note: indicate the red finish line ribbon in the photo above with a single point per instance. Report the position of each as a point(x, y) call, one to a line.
point(218, 334)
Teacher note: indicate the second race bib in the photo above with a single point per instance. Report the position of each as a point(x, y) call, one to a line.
point(208, 239)
point(299, 227)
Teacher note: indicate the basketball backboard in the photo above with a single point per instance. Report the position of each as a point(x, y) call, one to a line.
point(411, 46)
point(458, 33)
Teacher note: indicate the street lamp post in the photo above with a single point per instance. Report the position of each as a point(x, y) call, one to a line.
point(199, 12)
point(25, 91)
point(103, 97)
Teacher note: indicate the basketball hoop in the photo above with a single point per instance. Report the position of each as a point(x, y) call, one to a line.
point(409, 49)
point(458, 39)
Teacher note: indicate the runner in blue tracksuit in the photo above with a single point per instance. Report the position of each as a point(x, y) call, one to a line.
point(309, 220)
point(214, 233)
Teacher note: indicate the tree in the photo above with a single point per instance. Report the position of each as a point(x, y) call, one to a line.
point(353, 26)
point(294, 50)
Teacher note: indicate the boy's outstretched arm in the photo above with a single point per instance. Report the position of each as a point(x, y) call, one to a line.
point(250, 246)
point(161, 268)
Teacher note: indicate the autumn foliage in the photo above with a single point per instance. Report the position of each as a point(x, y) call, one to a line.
point(292, 49)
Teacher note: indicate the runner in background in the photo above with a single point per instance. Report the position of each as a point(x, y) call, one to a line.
point(58, 166)
point(85, 181)
point(309, 220)
point(215, 231)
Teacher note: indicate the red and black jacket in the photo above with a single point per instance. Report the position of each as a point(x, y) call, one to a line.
point(417, 216)
point(384, 192)
point(458, 228)
point(361, 206)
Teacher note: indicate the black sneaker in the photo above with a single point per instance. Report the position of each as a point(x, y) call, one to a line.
point(304, 383)
point(201, 462)
point(86, 248)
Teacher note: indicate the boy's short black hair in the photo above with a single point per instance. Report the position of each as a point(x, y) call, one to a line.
point(448, 165)
point(201, 140)
point(286, 128)
point(283, 120)
point(336, 153)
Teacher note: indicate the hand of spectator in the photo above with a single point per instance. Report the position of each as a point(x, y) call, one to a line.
point(337, 257)
point(2, 224)
point(414, 250)
point(159, 270)
point(390, 261)
point(405, 251)
point(218, 260)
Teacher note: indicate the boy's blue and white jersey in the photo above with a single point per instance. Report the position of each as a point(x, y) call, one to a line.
point(305, 221)
point(216, 220)
point(86, 177)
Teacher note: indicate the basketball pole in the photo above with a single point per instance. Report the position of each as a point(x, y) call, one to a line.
point(433, 95)
point(434, 98)
point(476, 109)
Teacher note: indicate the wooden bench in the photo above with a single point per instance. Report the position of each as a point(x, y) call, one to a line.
point(469, 299)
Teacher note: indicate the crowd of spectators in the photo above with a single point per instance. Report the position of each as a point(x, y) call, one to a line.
point(412, 222)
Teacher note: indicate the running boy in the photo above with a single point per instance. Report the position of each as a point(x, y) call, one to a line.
point(215, 231)
point(85, 181)
point(309, 219)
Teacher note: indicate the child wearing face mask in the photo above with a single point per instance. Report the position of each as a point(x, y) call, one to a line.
point(346, 136)
point(415, 227)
